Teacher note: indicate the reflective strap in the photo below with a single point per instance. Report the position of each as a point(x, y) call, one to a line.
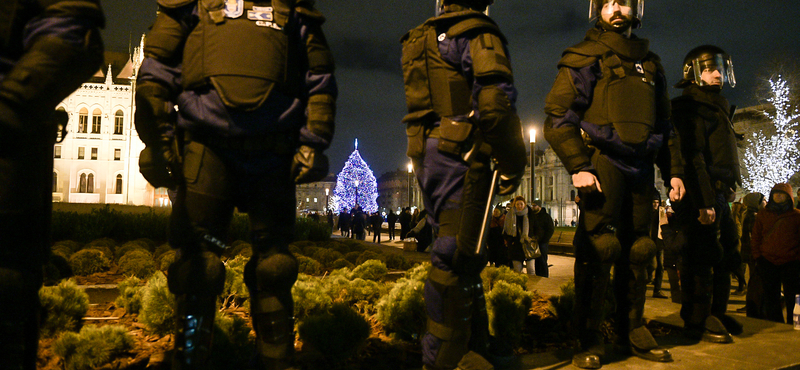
point(441, 277)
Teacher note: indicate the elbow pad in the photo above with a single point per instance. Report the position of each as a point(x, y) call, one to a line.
point(49, 71)
point(153, 111)
point(502, 130)
point(568, 145)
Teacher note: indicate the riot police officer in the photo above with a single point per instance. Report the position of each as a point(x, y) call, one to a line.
point(461, 115)
point(611, 88)
point(47, 49)
point(255, 91)
point(701, 116)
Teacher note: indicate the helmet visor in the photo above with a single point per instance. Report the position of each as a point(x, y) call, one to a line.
point(596, 6)
point(706, 68)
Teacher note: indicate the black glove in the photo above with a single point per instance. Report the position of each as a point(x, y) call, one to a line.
point(509, 184)
point(156, 170)
point(468, 263)
point(309, 165)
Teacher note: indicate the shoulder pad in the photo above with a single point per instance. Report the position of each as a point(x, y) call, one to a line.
point(172, 4)
point(461, 22)
point(653, 57)
point(583, 54)
point(306, 8)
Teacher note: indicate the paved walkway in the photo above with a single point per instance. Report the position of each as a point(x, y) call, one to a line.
point(763, 345)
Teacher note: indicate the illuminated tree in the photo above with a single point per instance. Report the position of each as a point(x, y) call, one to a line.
point(773, 159)
point(355, 185)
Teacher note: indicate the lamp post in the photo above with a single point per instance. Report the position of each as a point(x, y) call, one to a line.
point(533, 164)
point(410, 169)
point(327, 198)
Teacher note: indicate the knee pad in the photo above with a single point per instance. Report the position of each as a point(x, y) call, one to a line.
point(607, 247)
point(197, 274)
point(643, 251)
point(275, 272)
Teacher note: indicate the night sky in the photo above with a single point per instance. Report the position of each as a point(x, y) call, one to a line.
point(761, 36)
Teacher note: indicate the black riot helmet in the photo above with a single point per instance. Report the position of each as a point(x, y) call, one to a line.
point(706, 57)
point(479, 5)
point(596, 8)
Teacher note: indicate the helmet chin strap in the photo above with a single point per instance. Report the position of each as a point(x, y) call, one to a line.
point(624, 29)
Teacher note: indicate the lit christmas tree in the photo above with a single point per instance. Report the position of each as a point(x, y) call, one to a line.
point(774, 159)
point(355, 185)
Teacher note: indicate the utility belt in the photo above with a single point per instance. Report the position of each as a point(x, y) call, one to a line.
point(276, 143)
point(455, 137)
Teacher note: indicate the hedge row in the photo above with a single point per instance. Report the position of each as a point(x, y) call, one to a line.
point(108, 223)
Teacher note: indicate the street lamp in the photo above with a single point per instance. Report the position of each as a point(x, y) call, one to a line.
point(410, 169)
point(327, 191)
point(533, 164)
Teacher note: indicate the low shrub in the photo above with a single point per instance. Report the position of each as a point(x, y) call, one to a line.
point(354, 245)
point(158, 305)
point(342, 263)
point(88, 261)
point(233, 344)
point(356, 292)
point(71, 244)
point(564, 304)
point(161, 249)
point(327, 256)
point(402, 310)
point(368, 255)
point(240, 248)
point(63, 307)
point(397, 262)
point(105, 245)
point(295, 250)
point(507, 305)
point(352, 257)
point(92, 347)
point(128, 247)
point(61, 250)
point(56, 269)
point(303, 244)
point(309, 266)
point(310, 296)
point(166, 259)
point(373, 269)
point(336, 246)
point(491, 275)
point(336, 333)
point(235, 291)
point(137, 262)
point(130, 295)
point(308, 229)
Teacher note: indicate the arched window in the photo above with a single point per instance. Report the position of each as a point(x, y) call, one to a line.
point(90, 184)
point(83, 120)
point(55, 182)
point(82, 184)
point(96, 121)
point(118, 122)
point(58, 135)
point(118, 190)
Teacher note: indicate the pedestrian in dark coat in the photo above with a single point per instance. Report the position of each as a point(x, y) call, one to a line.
point(376, 221)
point(405, 222)
point(775, 243)
point(497, 251)
point(391, 220)
point(344, 223)
point(358, 224)
point(541, 230)
point(754, 203)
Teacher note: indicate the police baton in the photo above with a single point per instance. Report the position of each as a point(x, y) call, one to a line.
point(487, 214)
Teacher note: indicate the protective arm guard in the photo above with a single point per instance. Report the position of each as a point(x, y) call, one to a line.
point(320, 82)
point(565, 139)
point(51, 68)
point(498, 120)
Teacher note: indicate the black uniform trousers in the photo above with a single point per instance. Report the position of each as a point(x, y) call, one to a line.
point(624, 208)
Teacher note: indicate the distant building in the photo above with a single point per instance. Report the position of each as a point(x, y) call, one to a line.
point(315, 197)
point(397, 190)
point(98, 160)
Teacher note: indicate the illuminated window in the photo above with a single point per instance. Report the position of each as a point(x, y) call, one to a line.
point(117, 154)
point(118, 122)
point(94, 154)
point(55, 182)
point(83, 120)
point(81, 152)
point(118, 184)
point(90, 183)
point(96, 121)
point(82, 184)
point(57, 151)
